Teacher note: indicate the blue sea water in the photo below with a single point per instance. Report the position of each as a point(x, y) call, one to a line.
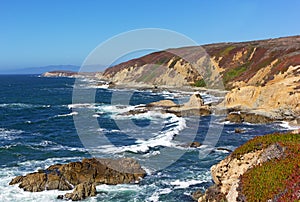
point(37, 130)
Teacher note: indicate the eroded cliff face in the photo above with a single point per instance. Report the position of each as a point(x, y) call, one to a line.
point(263, 169)
point(279, 98)
point(253, 63)
point(263, 76)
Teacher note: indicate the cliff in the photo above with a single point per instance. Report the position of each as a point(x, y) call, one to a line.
point(264, 169)
point(60, 74)
point(263, 77)
point(247, 63)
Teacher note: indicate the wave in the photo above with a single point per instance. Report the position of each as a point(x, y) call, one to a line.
point(22, 105)
point(64, 115)
point(81, 105)
point(163, 138)
point(9, 134)
point(288, 126)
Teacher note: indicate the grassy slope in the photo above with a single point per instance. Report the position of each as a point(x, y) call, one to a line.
point(276, 179)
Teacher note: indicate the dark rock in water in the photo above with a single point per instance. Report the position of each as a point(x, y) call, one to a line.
point(202, 111)
point(239, 130)
point(247, 117)
point(195, 144)
point(234, 117)
point(60, 197)
point(66, 176)
point(81, 192)
point(196, 195)
point(213, 193)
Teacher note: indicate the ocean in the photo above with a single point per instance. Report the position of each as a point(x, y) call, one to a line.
point(41, 125)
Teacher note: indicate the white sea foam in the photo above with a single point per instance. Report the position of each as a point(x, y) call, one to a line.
point(81, 105)
point(119, 187)
point(155, 196)
point(53, 146)
point(14, 193)
point(185, 184)
point(9, 134)
point(64, 115)
point(286, 125)
point(22, 105)
point(162, 138)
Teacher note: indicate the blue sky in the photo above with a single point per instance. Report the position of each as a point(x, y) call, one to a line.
point(47, 32)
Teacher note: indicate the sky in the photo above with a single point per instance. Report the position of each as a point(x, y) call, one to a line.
point(48, 32)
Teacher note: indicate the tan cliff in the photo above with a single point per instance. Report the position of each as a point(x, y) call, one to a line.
point(263, 169)
point(261, 76)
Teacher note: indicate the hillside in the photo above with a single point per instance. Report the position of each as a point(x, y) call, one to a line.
point(262, 76)
point(265, 168)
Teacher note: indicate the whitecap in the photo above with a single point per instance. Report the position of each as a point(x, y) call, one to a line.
point(9, 134)
point(64, 115)
point(286, 125)
point(185, 184)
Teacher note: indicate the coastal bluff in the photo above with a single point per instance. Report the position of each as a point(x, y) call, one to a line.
point(265, 168)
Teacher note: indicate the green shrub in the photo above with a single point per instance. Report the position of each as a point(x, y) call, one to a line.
point(200, 83)
point(233, 73)
point(226, 51)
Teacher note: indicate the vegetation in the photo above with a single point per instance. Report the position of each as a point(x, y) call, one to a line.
point(233, 73)
point(278, 178)
point(261, 142)
point(200, 83)
point(226, 51)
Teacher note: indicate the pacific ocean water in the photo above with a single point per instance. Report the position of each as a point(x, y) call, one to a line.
point(37, 130)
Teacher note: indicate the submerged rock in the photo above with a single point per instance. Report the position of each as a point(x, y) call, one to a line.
point(87, 173)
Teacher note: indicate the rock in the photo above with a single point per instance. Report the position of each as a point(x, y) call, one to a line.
point(196, 195)
point(239, 117)
point(195, 144)
point(239, 130)
point(226, 174)
point(195, 101)
point(66, 176)
point(273, 151)
point(296, 131)
point(181, 111)
point(213, 194)
point(162, 103)
point(234, 117)
point(81, 191)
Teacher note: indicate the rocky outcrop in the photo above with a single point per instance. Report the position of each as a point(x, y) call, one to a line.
point(226, 174)
point(277, 99)
point(81, 191)
point(194, 107)
point(83, 175)
point(249, 117)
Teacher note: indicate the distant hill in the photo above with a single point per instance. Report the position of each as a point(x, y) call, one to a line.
point(40, 70)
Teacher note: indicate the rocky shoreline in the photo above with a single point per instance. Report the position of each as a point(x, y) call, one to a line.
point(82, 176)
point(228, 175)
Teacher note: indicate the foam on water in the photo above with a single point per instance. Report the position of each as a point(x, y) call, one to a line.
point(162, 138)
point(286, 125)
point(22, 105)
point(64, 115)
point(9, 134)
